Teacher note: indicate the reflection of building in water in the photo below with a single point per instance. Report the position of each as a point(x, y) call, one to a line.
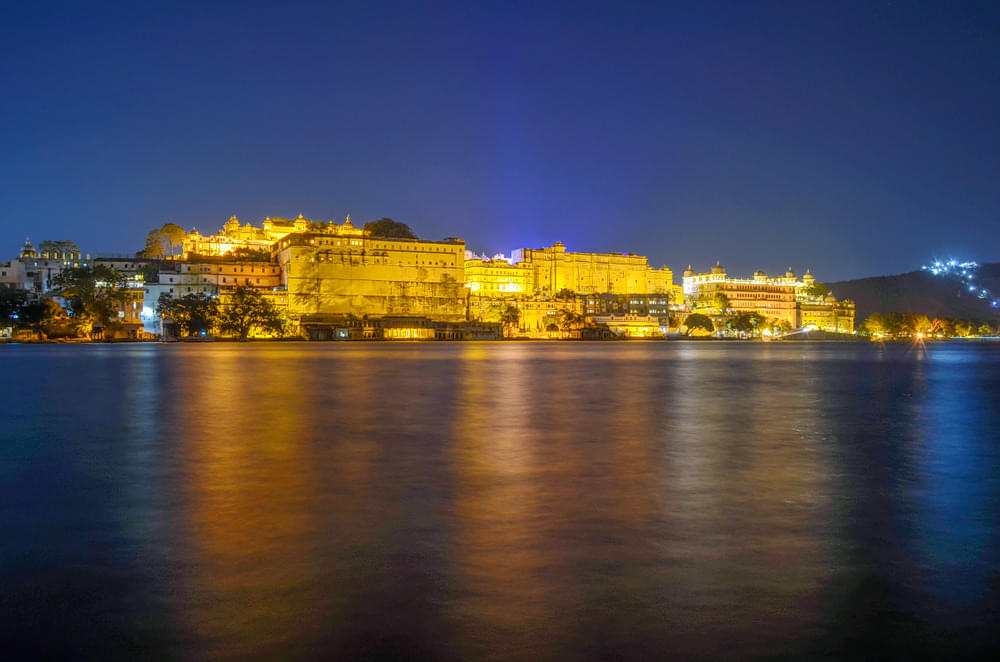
point(779, 298)
point(247, 526)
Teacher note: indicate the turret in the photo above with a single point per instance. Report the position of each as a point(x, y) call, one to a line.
point(718, 268)
point(808, 278)
point(28, 251)
point(759, 275)
point(790, 274)
point(688, 272)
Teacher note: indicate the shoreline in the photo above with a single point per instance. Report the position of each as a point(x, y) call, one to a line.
point(742, 341)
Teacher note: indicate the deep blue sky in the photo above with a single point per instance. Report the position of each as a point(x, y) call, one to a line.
point(855, 139)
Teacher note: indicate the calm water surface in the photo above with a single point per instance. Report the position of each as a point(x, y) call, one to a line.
point(500, 501)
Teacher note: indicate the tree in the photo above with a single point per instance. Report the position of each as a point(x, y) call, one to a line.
point(942, 326)
point(58, 246)
point(38, 315)
point(150, 272)
point(717, 302)
point(963, 328)
point(745, 323)
point(11, 302)
point(565, 294)
point(568, 319)
point(985, 330)
point(246, 310)
point(816, 290)
point(249, 254)
point(94, 295)
point(192, 313)
point(893, 324)
point(162, 241)
point(697, 321)
point(916, 324)
point(874, 325)
point(509, 316)
point(386, 227)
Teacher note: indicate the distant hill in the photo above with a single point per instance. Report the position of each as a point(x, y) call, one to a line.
point(922, 292)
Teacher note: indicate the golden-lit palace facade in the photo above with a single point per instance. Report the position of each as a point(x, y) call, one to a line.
point(233, 235)
point(497, 276)
point(554, 269)
point(342, 270)
point(777, 298)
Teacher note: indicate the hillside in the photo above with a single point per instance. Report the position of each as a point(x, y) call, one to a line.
point(922, 292)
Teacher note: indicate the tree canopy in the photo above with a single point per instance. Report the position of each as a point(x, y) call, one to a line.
point(697, 321)
point(94, 295)
point(746, 323)
point(718, 302)
point(246, 309)
point(569, 319)
point(386, 227)
point(509, 316)
point(817, 290)
point(11, 302)
point(162, 241)
point(58, 246)
point(249, 254)
point(192, 313)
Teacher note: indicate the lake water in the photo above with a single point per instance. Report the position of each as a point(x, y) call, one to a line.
point(516, 501)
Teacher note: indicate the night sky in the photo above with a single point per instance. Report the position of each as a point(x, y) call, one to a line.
point(856, 139)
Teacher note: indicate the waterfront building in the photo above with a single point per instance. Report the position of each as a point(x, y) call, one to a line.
point(497, 277)
point(539, 317)
point(130, 313)
point(35, 270)
point(345, 271)
point(407, 328)
point(554, 269)
point(827, 314)
point(776, 298)
point(209, 276)
point(233, 236)
point(660, 306)
point(772, 298)
point(633, 326)
point(11, 274)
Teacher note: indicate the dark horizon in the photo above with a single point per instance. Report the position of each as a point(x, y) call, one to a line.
point(855, 141)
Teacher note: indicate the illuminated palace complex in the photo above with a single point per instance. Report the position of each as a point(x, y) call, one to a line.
point(337, 280)
point(782, 298)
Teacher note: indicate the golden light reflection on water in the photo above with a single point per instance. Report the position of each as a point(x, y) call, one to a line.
point(249, 500)
point(500, 500)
